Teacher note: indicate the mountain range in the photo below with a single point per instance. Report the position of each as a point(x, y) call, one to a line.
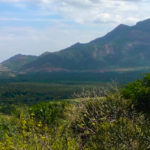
point(125, 48)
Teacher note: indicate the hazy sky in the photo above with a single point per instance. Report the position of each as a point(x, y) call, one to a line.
point(36, 26)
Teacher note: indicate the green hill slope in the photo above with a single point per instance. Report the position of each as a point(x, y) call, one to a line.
point(16, 62)
point(124, 47)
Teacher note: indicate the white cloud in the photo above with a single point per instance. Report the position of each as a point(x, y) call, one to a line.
point(97, 11)
point(89, 19)
point(7, 1)
point(27, 40)
point(92, 11)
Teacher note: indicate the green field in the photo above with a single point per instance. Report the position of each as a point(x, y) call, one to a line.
point(29, 93)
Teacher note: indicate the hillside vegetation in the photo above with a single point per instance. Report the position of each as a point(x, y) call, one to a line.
point(117, 51)
point(118, 121)
point(16, 62)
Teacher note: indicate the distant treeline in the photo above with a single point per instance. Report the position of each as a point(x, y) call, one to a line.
point(121, 77)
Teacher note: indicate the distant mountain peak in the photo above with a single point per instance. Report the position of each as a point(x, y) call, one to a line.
point(147, 21)
point(119, 30)
point(124, 47)
point(76, 44)
point(143, 25)
point(45, 53)
point(17, 61)
point(121, 26)
point(17, 55)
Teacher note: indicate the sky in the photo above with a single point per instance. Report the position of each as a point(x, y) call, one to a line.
point(32, 27)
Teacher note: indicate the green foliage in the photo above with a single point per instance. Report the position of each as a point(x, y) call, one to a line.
point(74, 77)
point(49, 113)
point(111, 122)
point(139, 92)
point(31, 93)
point(16, 62)
point(107, 123)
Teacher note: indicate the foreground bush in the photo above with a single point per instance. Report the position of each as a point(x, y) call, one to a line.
point(88, 124)
point(110, 123)
point(139, 93)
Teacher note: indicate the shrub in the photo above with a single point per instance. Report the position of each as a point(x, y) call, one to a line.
point(139, 93)
point(110, 123)
point(51, 113)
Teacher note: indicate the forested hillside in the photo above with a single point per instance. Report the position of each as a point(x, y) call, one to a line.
point(126, 48)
